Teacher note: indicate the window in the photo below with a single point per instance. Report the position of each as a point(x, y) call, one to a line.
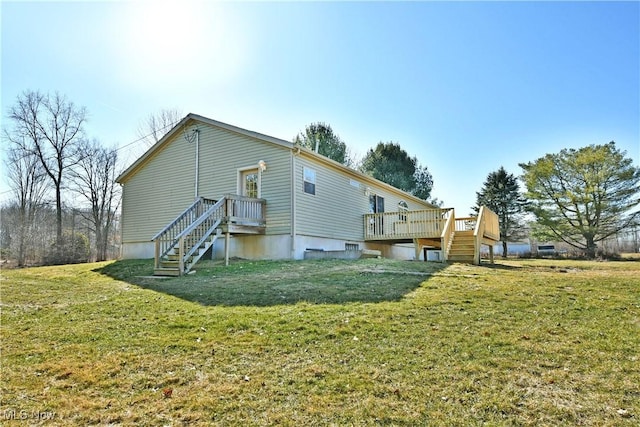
point(309, 179)
point(250, 183)
point(403, 208)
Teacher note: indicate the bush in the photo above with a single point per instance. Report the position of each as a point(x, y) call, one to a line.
point(5, 253)
point(73, 249)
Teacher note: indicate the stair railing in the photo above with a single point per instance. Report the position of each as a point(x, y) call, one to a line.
point(446, 237)
point(487, 225)
point(166, 238)
point(192, 237)
point(478, 232)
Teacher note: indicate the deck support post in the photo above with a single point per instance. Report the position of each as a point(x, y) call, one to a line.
point(491, 253)
point(417, 247)
point(227, 237)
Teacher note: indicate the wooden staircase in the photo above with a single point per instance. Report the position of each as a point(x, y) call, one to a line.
point(458, 239)
point(463, 247)
point(181, 244)
point(170, 264)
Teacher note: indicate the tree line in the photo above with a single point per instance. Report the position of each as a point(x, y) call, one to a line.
point(55, 170)
point(65, 199)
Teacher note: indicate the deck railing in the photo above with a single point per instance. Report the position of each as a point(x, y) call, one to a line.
point(466, 224)
point(242, 210)
point(427, 223)
point(447, 234)
point(487, 226)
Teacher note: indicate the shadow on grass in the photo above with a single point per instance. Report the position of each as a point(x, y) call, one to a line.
point(272, 283)
point(498, 266)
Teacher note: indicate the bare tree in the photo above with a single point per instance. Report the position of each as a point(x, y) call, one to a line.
point(94, 178)
point(155, 126)
point(27, 180)
point(50, 128)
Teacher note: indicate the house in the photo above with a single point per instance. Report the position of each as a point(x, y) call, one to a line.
point(210, 186)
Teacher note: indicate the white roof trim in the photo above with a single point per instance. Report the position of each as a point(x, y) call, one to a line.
point(158, 145)
point(277, 141)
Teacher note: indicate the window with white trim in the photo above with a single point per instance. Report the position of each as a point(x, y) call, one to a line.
point(309, 180)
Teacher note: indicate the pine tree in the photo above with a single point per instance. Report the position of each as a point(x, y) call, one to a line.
point(501, 193)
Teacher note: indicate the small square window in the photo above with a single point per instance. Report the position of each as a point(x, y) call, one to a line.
point(309, 180)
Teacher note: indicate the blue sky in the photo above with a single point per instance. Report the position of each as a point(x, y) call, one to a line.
point(466, 87)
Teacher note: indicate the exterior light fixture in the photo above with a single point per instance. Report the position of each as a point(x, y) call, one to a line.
point(262, 165)
point(367, 191)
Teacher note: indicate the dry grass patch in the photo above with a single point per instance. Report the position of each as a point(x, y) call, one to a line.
point(536, 342)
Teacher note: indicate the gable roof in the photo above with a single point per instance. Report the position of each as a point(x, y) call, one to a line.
point(124, 176)
point(158, 146)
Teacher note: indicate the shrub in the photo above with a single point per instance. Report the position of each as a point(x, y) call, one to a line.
point(73, 249)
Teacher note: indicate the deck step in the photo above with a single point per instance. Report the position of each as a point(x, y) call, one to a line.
point(461, 252)
point(461, 258)
point(169, 263)
point(463, 247)
point(166, 271)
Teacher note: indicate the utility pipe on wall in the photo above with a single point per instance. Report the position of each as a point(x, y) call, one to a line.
point(197, 132)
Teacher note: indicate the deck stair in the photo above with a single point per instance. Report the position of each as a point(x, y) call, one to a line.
point(181, 244)
point(463, 247)
point(170, 264)
point(458, 238)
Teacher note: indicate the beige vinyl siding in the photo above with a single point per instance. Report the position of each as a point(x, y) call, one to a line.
point(159, 191)
point(164, 185)
point(223, 153)
point(337, 209)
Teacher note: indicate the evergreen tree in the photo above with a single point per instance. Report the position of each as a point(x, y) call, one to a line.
point(389, 163)
point(319, 137)
point(501, 193)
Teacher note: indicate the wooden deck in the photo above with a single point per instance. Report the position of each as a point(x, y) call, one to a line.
point(402, 227)
point(459, 239)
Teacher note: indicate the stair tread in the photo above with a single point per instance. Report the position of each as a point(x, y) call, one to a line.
point(199, 240)
point(166, 271)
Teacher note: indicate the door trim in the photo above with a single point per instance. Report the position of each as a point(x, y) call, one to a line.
point(240, 182)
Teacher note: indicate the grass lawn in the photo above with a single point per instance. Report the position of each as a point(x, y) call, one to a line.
point(370, 342)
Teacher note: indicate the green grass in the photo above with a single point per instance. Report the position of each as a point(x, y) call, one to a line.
point(371, 342)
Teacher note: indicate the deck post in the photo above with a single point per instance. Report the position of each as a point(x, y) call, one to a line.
point(417, 247)
point(181, 256)
point(226, 248)
point(157, 253)
point(491, 253)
